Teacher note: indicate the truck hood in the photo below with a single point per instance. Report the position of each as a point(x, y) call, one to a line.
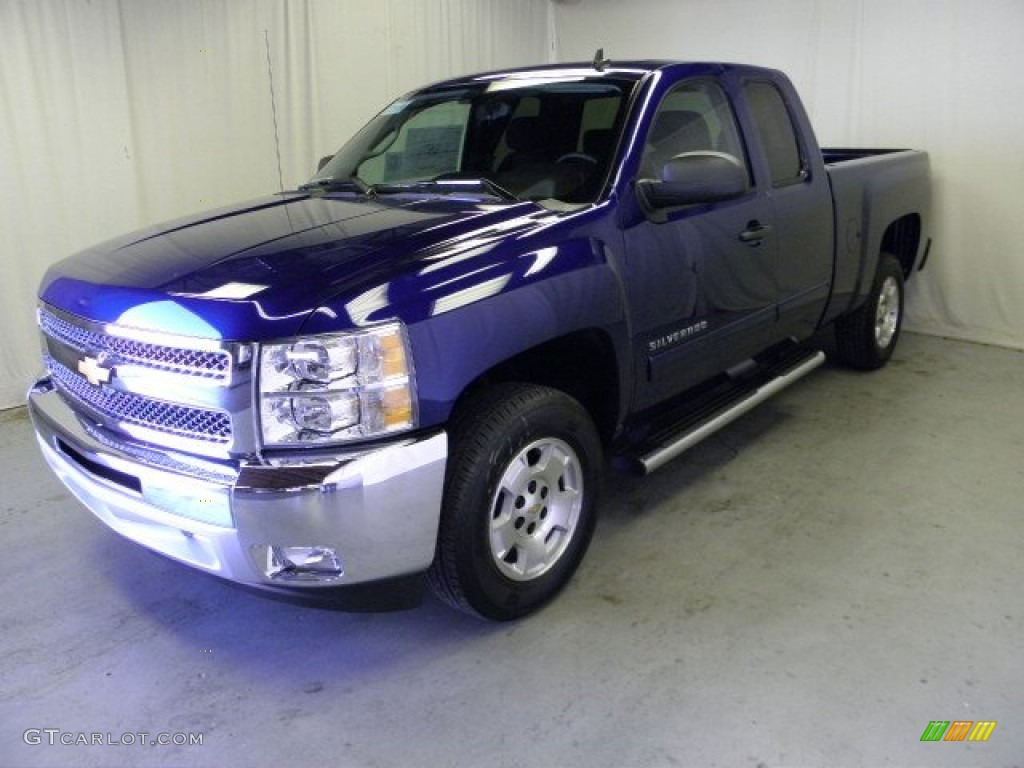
point(257, 270)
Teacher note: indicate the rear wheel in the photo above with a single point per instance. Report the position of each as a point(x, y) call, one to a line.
point(519, 505)
point(866, 337)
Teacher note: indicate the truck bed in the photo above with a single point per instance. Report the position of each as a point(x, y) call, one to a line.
point(878, 195)
point(834, 155)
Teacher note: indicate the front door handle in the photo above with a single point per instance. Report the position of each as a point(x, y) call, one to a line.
point(755, 233)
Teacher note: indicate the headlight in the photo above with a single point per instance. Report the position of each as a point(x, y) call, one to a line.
point(336, 388)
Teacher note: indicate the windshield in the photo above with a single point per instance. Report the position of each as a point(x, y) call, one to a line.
point(536, 139)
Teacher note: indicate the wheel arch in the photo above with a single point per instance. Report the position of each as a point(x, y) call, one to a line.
point(902, 239)
point(582, 364)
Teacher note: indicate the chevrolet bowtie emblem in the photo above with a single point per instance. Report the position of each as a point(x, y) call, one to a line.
point(94, 370)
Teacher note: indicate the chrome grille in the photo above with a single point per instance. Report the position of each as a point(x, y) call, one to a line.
point(205, 364)
point(163, 459)
point(208, 425)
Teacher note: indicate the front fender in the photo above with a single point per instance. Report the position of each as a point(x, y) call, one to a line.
point(453, 349)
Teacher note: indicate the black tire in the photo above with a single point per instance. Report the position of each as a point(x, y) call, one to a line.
point(866, 337)
point(520, 500)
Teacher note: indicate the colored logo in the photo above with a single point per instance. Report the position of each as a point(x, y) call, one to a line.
point(958, 730)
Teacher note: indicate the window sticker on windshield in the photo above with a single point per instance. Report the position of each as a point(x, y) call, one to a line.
point(432, 150)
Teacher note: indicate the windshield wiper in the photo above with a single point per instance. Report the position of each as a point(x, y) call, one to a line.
point(351, 184)
point(448, 187)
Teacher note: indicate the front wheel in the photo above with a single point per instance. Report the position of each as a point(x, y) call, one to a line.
point(865, 338)
point(519, 503)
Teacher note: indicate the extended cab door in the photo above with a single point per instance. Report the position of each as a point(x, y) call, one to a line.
point(702, 276)
point(801, 204)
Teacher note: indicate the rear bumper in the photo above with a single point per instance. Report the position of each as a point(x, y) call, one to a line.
point(309, 524)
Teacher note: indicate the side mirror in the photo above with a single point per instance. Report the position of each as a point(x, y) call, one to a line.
point(696, 177)
point(323, 161)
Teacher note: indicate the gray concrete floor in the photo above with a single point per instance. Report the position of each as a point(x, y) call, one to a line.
point(810, 587)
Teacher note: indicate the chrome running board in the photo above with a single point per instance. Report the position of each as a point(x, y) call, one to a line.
point(683, 436)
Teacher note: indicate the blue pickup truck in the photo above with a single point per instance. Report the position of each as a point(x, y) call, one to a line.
point(415, 368)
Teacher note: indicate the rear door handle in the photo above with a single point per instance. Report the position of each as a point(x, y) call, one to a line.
point(755, 233)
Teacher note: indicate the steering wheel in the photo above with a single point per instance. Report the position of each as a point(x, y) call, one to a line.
point(577, 157)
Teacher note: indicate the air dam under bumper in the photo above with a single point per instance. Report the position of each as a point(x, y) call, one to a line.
point(306, 526)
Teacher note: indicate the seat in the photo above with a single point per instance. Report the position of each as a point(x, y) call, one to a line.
point(525, 140)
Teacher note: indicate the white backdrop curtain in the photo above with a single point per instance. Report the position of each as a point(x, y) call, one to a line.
point(942, 75)
point(119, 114)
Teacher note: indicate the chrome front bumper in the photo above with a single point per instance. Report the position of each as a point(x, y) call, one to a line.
point(375, 512)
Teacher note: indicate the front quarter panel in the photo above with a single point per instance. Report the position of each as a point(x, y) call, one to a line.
point(486, 302)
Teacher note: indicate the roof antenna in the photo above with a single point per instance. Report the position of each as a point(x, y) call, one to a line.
point(600, 62)
point(273, 109)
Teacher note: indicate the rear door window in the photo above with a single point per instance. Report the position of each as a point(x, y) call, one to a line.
point(778, 136)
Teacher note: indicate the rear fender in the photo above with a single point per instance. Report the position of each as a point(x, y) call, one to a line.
point(872, 195)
